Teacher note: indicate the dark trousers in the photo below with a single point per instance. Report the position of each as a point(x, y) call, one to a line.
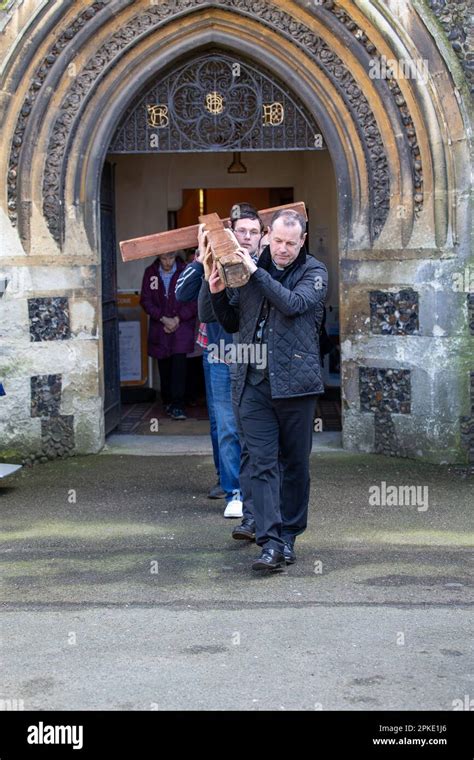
point(173, 379)
point(278, 429)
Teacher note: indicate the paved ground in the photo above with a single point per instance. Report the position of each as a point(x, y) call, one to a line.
point(123, 590)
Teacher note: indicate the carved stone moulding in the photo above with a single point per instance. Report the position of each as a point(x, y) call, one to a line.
point(62, 41)
point(383, 70)
point(144, 22)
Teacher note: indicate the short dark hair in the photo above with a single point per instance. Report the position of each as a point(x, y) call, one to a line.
point(290, 218)
point(244, 211)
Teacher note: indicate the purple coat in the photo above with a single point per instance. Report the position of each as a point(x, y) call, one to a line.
point(157, 304)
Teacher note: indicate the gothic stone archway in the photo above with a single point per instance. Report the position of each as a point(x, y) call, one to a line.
point(401, 155)
point(207, 104)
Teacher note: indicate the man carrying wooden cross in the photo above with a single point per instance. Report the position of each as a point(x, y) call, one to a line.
point(280, 309)
point(279, 305)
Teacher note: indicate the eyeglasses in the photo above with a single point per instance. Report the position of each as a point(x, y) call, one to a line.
point(252, 233)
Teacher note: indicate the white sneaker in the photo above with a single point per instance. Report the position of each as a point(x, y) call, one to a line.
point(234, 508)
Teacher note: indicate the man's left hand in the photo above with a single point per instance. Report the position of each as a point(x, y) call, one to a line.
point(247, 260)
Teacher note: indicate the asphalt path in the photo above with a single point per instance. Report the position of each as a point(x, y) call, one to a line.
point(123, 590)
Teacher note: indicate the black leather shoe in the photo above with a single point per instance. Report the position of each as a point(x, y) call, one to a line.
point(270, 559)
point(245, 531)
point(216, 492)
point(289, 552)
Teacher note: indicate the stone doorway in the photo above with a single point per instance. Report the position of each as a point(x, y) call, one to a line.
point(401, 154)
point(136, 187)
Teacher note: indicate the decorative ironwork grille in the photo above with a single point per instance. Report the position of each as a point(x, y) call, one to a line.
point(215, 102)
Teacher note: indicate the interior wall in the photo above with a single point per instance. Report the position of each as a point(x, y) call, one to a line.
point(148, 186)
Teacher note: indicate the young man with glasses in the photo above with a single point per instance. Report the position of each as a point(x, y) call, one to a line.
point(232, 457)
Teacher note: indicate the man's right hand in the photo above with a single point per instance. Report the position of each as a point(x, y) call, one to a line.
point(215, 283)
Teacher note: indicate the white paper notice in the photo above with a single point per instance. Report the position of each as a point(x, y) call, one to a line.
point(130, 353)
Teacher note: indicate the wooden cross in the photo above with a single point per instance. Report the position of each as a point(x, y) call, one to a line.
point(223, 247)
point(186, 237)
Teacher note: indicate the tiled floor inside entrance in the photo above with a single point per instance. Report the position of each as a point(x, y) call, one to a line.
point(148, 418)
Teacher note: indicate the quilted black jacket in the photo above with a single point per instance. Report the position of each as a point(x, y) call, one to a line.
point(296, 305)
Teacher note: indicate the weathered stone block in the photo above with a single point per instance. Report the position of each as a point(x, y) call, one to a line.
point(417, 433)
point(83, 318)
point(79, 390)
point(89, 427)
point(358, 431)
point(442, 313)
point(14, 323)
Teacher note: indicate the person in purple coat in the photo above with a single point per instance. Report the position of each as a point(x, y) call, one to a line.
point(171, 329)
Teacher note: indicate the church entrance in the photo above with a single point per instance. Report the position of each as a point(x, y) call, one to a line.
point(238, 135)
point(180, 206)
point(309, 96)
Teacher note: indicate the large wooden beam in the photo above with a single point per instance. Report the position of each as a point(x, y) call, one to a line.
point(184, 237)
point(224, 246)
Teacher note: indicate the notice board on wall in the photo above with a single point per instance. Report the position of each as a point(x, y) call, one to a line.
point(133, 327)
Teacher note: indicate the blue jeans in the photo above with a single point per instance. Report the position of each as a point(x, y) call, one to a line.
point(227, 433)
point(211, 411)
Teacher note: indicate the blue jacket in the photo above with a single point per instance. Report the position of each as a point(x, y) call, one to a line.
point(189, 284)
